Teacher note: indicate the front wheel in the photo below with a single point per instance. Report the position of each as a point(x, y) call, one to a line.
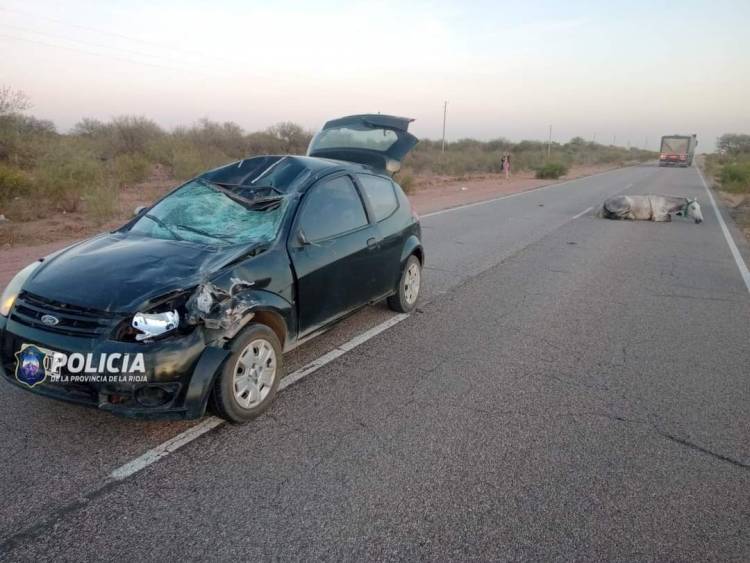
point(250, 378)
point(407, 293)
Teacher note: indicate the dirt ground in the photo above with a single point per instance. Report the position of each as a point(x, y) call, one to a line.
point(739, 210)
point(22, 243)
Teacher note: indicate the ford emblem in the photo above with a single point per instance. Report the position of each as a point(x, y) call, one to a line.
point(50, 320)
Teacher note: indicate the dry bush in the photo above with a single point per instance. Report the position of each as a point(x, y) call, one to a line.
point(735, 177)
point(65, 174)
point(101, 201)
point(551, 170)
point(130, 169)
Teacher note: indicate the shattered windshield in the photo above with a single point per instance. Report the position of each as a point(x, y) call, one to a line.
point(205, 213)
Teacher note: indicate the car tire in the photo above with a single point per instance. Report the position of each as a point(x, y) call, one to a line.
point(407, 293)
point(249, 380)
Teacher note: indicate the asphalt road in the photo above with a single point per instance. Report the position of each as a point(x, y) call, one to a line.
point(570, 388)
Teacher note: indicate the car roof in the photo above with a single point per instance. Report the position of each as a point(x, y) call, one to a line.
point(283, 173)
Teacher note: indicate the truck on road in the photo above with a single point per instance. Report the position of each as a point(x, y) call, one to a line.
point(677, 150)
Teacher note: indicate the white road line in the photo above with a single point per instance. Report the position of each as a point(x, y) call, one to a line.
point(582, 213)
point(208, 424)
point(517, 194)
point(327, 358)
point(166, 448)
point(728, 236)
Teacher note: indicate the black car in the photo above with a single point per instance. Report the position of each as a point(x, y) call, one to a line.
point(197, 297)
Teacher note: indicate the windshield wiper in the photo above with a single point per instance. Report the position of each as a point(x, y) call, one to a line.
point(164, 226)
point(202, 232)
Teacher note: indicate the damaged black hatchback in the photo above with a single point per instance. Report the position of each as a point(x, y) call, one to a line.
point(196, 299)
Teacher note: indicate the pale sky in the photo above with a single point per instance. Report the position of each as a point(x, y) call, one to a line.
point(631, 69)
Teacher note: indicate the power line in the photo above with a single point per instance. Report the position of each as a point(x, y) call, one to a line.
point(96, 45)
point(120, 35)
point(105, 55)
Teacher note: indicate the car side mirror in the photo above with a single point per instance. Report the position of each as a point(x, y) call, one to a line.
point(139, 210)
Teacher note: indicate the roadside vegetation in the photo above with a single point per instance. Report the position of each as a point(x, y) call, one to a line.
point(729, 169)
point(551, 170)
point(99, 169)
point(469, 156)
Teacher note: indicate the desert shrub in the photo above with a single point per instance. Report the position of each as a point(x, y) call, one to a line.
point(65, 174)
point(186, 162)
point(227, 138)
point(293, 138)
point(23, 139)
point(406, 181)
point(262, 142)
point(551, 170)
point(185, 158)
point(735, 177)
point(132, 134)
point(101, 201)
point(13, 183)
point(734, 143)
point(130, 168)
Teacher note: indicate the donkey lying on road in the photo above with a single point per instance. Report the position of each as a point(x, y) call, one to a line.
point(650, 208)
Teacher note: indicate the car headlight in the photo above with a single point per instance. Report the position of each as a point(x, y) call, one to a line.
point(151, 325)
point(14, 288)
point(155, 321)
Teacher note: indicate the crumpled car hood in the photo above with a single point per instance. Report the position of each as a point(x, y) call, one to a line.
point(119, 272)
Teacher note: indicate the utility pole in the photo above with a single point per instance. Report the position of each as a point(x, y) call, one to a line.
point(614, 140)
point(445, 113)
point(549, 142)
point(594, 139)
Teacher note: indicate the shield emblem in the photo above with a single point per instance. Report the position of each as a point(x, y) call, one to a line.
point(30, 368)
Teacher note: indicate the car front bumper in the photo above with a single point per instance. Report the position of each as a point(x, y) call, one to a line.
point(182, 368)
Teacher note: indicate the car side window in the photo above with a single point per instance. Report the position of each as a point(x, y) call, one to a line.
point(332, 208)
point(381, 194)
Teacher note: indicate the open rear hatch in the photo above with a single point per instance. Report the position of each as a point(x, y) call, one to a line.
point(380, 141)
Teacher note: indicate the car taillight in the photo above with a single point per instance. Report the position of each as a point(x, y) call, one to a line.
point(683, 157)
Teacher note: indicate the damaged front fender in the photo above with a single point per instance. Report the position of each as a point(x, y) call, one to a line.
point(224, 312)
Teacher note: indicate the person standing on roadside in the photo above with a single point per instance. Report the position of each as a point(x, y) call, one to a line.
point(506, 165)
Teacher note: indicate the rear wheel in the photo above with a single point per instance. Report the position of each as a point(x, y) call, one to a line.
point(407, 292)
point(250, 378)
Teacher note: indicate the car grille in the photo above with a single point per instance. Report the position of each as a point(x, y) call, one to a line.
point(72, 320)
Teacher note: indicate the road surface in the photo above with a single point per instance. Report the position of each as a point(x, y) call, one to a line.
point(570, 387)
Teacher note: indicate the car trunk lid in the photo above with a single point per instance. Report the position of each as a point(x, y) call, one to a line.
point(380, 141)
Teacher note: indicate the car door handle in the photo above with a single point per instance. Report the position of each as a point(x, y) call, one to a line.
point(372, 242)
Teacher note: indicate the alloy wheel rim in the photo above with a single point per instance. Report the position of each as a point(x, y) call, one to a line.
point(254, 373)
point(411, 284)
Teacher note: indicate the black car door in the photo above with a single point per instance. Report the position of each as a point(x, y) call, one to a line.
point(380, 193)
point(333, 247)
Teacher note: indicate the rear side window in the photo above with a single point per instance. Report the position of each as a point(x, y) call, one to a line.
point(332, 208)
point(381, 194)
